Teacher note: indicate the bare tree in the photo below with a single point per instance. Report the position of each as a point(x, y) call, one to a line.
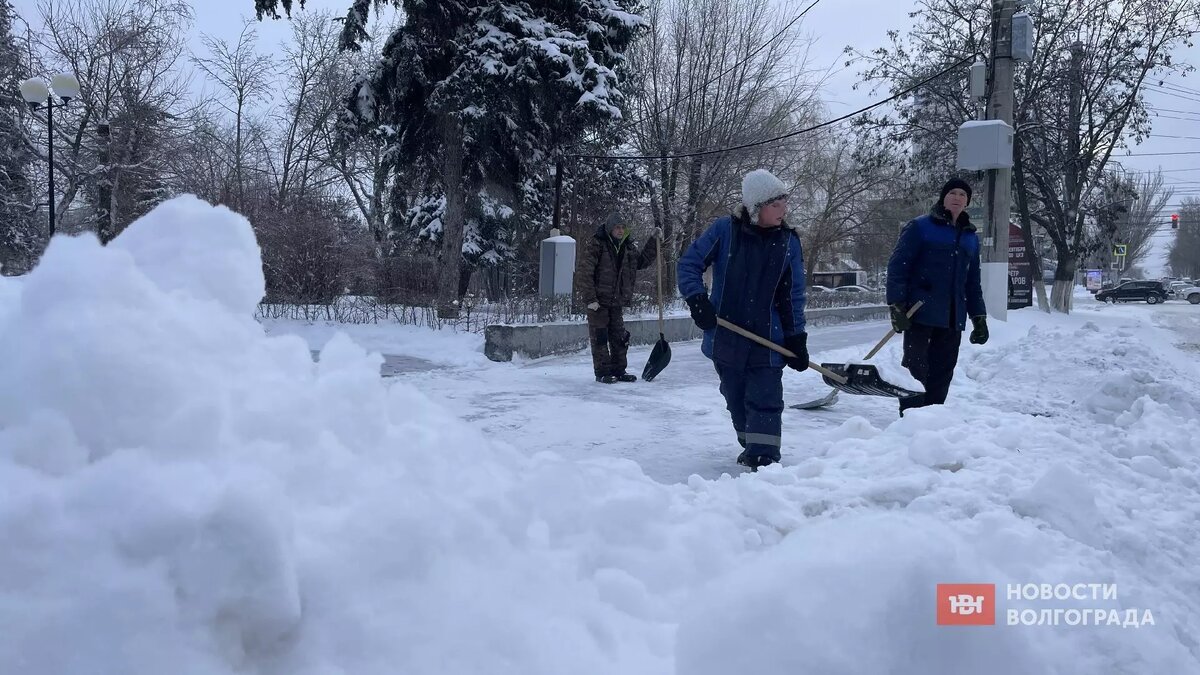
point(311, 100)
point(1140, 224)
point(246, 78)
point(358, 156)
point(716, 74)
point(1184, 256)
point(111, 141)
point(831, 196)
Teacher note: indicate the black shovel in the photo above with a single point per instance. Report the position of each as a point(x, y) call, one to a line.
point(660, 356)
point(865, 379)
point(860, 380)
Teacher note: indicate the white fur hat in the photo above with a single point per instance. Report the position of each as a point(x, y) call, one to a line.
point(759, 187)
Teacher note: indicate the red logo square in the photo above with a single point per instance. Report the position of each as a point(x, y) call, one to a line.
point(966, 604)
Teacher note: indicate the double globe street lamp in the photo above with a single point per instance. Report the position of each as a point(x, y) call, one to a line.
point(36, 94)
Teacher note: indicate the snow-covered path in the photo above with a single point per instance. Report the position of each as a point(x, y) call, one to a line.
point(673, 427)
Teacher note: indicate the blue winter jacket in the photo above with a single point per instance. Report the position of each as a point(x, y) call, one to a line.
point(937, 262)
point(758, 284)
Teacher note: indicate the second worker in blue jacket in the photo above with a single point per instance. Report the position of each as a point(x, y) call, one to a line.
point(758, 284)
point(936, 261)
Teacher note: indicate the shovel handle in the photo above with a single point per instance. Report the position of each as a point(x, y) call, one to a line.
point(891, 333)
point(786, 352)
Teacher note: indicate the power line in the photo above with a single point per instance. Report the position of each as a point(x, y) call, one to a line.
point(1173, 85)
point(822, 125)
point(1153, 171)
point(1164, 92)
point(1185, 112)
point(1159, 154)
point(1176, 117)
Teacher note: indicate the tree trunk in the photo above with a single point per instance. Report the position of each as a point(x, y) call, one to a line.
point(452, 219)
point(464, 279)
point(1064, 282)
point(1035, 261)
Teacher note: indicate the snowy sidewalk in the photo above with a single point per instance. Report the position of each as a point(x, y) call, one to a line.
point(673, 427)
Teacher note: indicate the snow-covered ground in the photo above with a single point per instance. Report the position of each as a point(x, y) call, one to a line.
point(180, 492)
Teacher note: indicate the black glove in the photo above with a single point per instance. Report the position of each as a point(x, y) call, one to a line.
point(703, 312)
point(979, 336)
point(798, 345)
point(900, 320)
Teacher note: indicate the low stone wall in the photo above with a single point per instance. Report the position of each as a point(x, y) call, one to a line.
point(533, 341)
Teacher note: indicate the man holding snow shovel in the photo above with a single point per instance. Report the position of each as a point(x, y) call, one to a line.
point(758, 285)
point(604, 279)
point(936, 261)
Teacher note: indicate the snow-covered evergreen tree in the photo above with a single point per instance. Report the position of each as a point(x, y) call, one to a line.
point(22, 236)
point(483, 97)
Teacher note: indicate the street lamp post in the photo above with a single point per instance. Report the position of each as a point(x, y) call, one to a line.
point(36, 93)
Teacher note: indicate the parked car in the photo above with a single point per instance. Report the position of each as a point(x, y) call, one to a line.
point(1152, 292)
point(1190, 293)
point(1174, 287)
point(820, 289)
point(853, 289)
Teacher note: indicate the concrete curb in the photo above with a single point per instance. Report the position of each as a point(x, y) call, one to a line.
point(502, 341)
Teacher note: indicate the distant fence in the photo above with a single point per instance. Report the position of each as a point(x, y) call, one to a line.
point(476, 314)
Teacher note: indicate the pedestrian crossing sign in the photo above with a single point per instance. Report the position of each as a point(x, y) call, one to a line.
point(1119, 250)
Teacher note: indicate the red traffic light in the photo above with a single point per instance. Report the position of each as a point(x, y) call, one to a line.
point(1175, 221)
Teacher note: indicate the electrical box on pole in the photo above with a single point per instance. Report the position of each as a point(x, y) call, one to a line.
point(979, 79)
point(1023, 37)
point(985, 144)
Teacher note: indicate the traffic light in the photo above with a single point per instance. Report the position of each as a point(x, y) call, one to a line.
point(1174, 221)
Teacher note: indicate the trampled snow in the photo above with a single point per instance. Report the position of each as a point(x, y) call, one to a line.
point(180, 492)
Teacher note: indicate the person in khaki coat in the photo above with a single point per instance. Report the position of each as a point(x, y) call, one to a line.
point(604, 280)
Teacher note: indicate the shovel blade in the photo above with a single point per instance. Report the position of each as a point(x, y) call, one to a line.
point(865, 380)
point(660, 356)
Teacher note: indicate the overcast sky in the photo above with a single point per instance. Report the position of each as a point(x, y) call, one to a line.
point(833, 24)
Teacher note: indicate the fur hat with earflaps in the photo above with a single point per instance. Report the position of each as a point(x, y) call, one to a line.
point(759, 187)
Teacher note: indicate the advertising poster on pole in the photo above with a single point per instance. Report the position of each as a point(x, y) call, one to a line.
point(1020, 271)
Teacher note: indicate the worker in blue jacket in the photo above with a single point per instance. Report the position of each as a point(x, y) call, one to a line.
point(936, 261)
point(758, 284)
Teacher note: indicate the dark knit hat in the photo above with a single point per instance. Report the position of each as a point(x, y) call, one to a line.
point(952, 184)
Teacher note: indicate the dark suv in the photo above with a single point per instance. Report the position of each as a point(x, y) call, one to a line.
point(1152, 292)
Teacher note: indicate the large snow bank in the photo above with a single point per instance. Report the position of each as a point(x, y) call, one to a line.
point(181, 493)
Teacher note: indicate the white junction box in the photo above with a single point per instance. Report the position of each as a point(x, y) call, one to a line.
point(1024, 37)
point(985, 144)
point(557, 273)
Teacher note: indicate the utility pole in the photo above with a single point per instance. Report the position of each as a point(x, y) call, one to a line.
point(1000, 107)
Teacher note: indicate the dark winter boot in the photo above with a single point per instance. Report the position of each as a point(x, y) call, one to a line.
point(606, 379)
point(753, 462)
point(626, 377)
point(910, 402)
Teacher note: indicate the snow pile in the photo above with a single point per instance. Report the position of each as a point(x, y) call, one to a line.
point(838, 598)
point(185, 494)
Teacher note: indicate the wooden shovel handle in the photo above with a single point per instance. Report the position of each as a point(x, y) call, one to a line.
point(658, 264)
point(912, 310)
point(786, 352)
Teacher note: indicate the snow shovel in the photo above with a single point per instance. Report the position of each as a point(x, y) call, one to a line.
point(660, 356)
point(865, 379)
point(829, 375)
point(892, 333)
